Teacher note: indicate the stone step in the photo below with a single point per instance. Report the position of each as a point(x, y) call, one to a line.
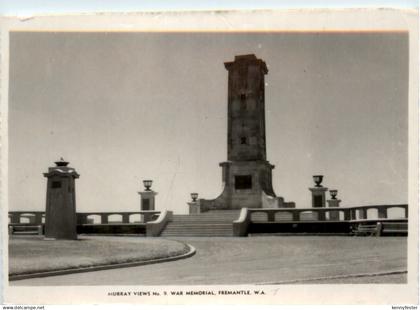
point(194, 232)
point(27, 232)
point(202, 222)
point(172, 224)
point(225, 221)
point(202, 229)
point(207, 227)
point(176, 228)
point(210, 216)
point(217, 223)
point(205, 216)
point(196, 235)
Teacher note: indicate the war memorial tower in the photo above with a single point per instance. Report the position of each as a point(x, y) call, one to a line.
point(246, 175)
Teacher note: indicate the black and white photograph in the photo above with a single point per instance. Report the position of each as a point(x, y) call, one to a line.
point(199, 163)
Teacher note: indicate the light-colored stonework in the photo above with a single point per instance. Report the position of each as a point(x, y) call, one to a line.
point(334, 215)
point(147, 203)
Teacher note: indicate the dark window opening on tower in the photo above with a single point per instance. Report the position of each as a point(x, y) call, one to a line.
point(56, 184)
point(243, 140)
point(243, 101)
point(243, 182)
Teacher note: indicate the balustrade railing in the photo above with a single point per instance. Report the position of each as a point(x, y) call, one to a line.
point(38, 217)
point(322, 214)
point(348, 214)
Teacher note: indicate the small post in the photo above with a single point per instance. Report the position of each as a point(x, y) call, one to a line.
point(38, 218)
point(125, 218)
point(270, 216)
point(81, 219)
point(104, 218)
point(194, 205)
point(352, 214)
point(15, 218)
point(382, 212)
point(363, 214)
point(347, 215)
point(378, 229)
point(334, 203)
point(296, 215)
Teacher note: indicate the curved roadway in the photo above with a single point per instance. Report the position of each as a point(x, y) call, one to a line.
point(261, 260)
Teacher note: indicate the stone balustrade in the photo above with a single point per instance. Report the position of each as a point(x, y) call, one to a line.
point(270, 215)
point(36, 217)
point(349, 213)
point(32, 217)
point(240, 226)
point(155, 228)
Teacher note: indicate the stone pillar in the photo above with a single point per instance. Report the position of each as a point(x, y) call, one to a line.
point(38, 218)
point(363, 214)
point(125, 218)
point(147, 200)
point(60, 215)
point(15, 218)
point(347, 215)
point(81, 219)
point(147, 203)
point(382, 213)
point(334, 203)
point(104, 218)
point(296, 216)
point(271, 216)
point(318, 193)
point(318, 196)
point(194, 207)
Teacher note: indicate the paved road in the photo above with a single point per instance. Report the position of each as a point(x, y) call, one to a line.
point(260, 260)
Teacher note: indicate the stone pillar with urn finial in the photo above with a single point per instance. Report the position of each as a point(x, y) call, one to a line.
point(194, 205)
point(334, 203)
point(318, 195)
point(318, 192)
point(147, 200)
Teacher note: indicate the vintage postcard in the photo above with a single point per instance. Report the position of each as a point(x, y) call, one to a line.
point(220, 157)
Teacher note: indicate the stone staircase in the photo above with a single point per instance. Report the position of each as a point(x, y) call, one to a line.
point(217, 223)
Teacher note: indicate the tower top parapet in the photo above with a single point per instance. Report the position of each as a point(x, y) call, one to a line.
point(240, 60)
point(61, 168)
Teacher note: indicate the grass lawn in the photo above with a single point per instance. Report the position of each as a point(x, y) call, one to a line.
point(29, 254)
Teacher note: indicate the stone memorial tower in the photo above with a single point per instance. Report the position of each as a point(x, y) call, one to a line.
point(247, 175)
point(60, 215)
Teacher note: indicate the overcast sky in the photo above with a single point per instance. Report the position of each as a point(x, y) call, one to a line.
point(122, 107)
